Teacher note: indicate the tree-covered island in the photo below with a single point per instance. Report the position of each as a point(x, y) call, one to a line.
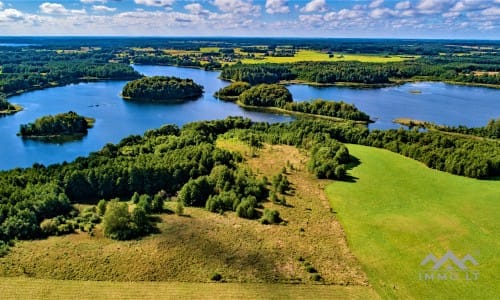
point(276, 98)
point(65, 124)
point(162, 89)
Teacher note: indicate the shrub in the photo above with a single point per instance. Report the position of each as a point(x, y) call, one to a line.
point(101, 207)
point(246, 209)
point(270, 217)
point(179, 208)
point(216, 277)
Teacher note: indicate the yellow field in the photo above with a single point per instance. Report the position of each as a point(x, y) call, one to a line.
point(28, 288)
point(309, 55)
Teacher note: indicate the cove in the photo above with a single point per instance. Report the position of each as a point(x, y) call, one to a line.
point(115, 118)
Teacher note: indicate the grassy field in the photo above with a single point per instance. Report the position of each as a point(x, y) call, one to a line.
point(192, 248)
point(398, 211)
point(309, 55)
point(28, 288)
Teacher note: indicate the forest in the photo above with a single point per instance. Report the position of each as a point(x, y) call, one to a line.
point(34, 68)
point(69, 123)
point(434, 69)
point(162, 88)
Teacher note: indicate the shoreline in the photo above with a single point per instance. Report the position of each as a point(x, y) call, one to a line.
point(273, 109)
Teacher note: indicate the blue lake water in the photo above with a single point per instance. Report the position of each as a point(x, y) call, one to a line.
point(116, 118)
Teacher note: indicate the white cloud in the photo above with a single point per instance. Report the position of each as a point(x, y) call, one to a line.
point(315, 6)
point(159, 3)
point(1, 4)
point(277, 7)
point(103, 8)
point(196, 9)
point(434, 6)
point(378, 13)
point(93, 1)
point(10, 14)
point(376, 3)
point(59, 9)
point(236, 7)
point(492, 11)
point(403, 5)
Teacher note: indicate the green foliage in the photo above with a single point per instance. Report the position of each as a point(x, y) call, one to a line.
point(162, 88)
point(119, 224)
point(246, 209)
point(232, 91)
point(491, 130)
point(329, 108)
point(101, 207)
point(35, 68)
point(61, 124)
point(328, 160)
point(179, 208)
point(257, 74)
point(266, 95)
point(270, 217)
point(4, 104)
point(196, 192)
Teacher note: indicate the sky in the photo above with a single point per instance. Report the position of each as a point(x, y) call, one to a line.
point(460, 19)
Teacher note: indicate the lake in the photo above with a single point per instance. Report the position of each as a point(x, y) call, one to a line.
point(116, 118)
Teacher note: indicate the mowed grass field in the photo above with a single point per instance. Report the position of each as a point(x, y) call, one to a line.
point(28, 288)
point(256, 261)
point(309, 55)
point(398, 211)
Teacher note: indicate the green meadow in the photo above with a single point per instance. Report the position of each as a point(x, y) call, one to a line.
point(396, 211)
point(310, 55)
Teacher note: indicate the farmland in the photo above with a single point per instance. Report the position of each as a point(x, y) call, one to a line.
point(398, 211)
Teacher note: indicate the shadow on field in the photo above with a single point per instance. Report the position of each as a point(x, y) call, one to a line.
point(353, 163)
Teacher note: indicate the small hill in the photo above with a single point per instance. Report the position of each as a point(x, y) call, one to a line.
point(162, 89)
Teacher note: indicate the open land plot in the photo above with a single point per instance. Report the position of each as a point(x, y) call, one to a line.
point(397, 211)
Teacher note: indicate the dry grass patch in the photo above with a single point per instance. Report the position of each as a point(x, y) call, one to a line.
point(191, 248)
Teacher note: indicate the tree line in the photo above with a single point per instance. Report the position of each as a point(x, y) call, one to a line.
point(35, 68)
point(365, 73)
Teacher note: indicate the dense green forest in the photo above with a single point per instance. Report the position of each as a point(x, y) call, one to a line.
point(439, 69)
point(328, 108)
point(232, 91)
point(34, 68)
point(69, 123)
point(275, 95)
point(491, 130)
point(162, 88)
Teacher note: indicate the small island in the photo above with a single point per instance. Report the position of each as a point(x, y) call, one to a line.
point(65, 125)
point(7, 108)
point(276, 98)
point(162, 89)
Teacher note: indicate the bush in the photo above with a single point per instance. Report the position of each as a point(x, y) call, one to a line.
point(246, 209)
point(101, 207)
point(270, 217)
point(216, 277)
point(179, 208)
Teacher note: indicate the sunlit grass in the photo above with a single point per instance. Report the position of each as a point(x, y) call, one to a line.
point(398, 211)
point(310, 55)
